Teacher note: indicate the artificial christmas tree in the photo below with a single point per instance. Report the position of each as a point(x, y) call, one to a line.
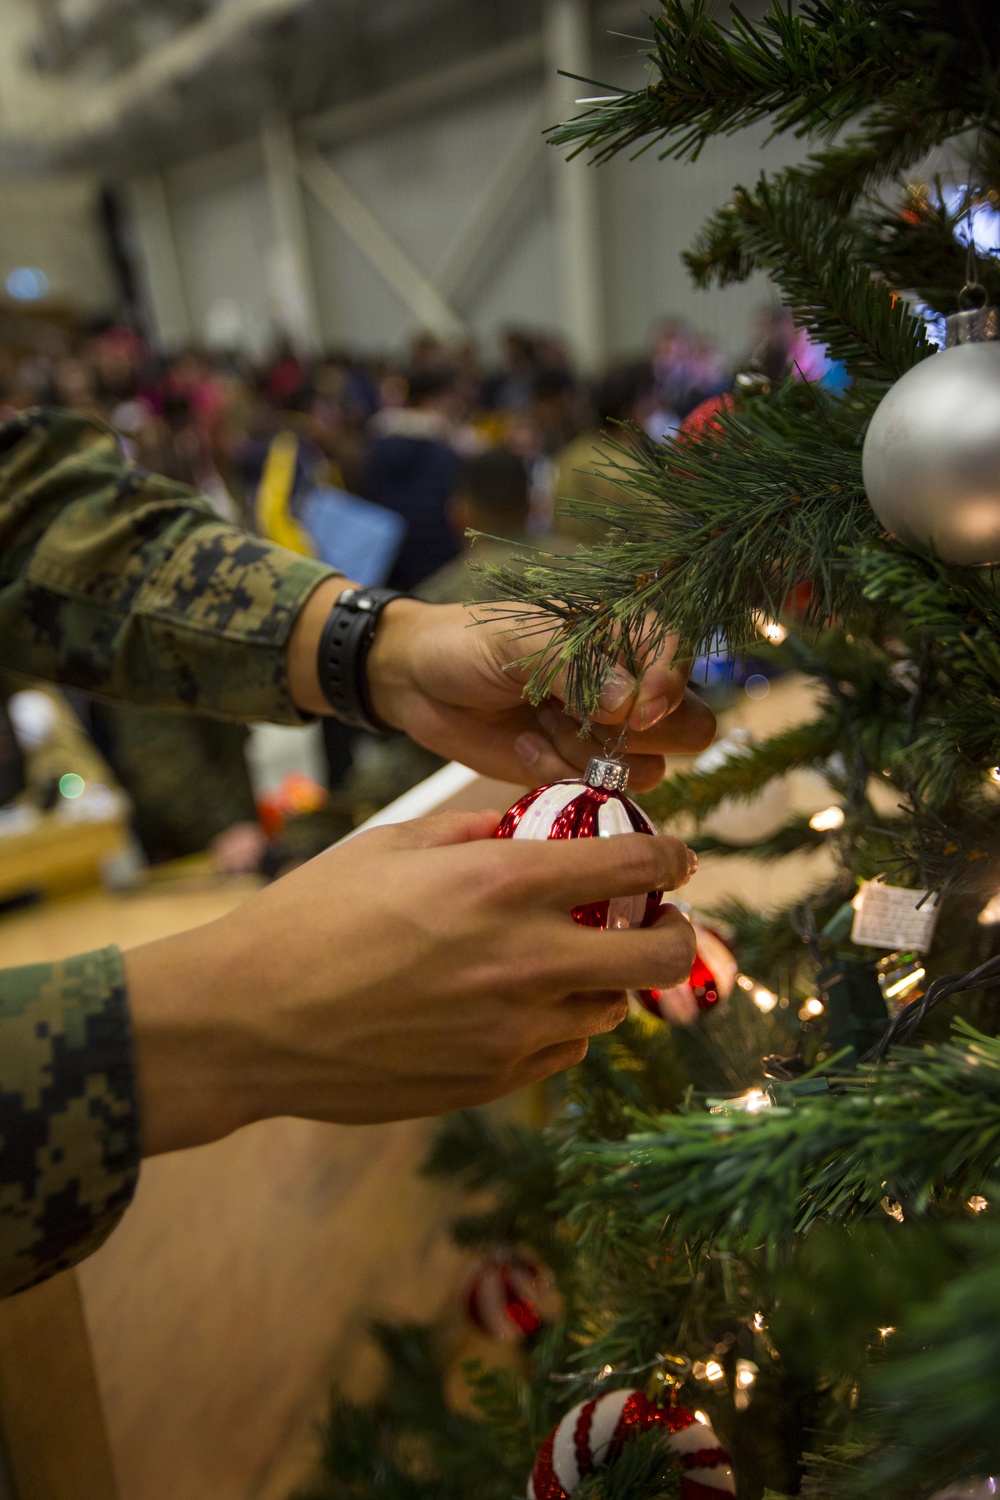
point(782, 1216)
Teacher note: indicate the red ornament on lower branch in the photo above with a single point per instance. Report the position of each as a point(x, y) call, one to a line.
point(711, 980)
point(502, 1297)
point(594, 1433)
point(595, 807)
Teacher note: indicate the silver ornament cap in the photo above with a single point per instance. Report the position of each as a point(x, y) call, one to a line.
point(931, 460)
point(606, 775)
point(973, 325)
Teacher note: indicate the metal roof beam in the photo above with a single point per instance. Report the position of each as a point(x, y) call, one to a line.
point(449, 85)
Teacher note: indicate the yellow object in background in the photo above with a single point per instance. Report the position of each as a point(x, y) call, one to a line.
point(274, 495)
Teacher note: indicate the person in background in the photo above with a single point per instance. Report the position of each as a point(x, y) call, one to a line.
point(582, 473)
point(187, 780)
point(491, 496)
point(412, 468)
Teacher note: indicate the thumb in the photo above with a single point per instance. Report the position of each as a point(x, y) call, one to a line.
point(432, 832)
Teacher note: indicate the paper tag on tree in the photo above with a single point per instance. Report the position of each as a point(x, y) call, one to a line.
point(889, 916)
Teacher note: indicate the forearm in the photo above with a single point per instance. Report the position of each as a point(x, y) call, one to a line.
point(191, 1005)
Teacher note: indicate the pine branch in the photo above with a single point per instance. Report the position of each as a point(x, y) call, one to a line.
point(706, 537)
point(747, 771)
point(515, 1162)
point(479, 1154)
point(955, 611)
point(793, 837)
point(938, 1394)
point(807, 71)
point(894, 137)
point(815, 256)
point(927, 1124)
point(916, 248)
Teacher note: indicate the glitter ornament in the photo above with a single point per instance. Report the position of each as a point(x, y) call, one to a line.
point(931, 459)
point(501, 1296)
point(595, 1432)
point(712, 977)
point(595, 807)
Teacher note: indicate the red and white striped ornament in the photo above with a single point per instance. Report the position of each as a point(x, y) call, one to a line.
point(595, 1432)
point(502, 1294)
point(711, 980)
point(595, 807)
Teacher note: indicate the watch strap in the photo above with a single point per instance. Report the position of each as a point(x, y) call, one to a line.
point(342, 658)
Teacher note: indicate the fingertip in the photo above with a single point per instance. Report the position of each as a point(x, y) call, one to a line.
point(645, 771)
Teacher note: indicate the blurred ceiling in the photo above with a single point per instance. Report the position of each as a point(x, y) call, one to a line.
point(125, 86)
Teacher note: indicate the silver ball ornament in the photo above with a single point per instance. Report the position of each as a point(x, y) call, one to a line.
point(931, 460)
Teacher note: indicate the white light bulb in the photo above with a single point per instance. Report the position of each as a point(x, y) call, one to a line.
point(908, 981)
point(764, 999)
point(713, 1370)
point(827, 819)
point(771, 630)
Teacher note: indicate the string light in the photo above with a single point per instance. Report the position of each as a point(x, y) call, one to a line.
point(748, 1103)
point(990, 913)
point(702, 1417)
point(978, 1203)
point(762, 997)
point(906, 982)
point(812, 1008)
point(714, 1371)
point(771, 630)
point(827, 819)
point(746, 1372)
point(885, 1332)
point(994, 775)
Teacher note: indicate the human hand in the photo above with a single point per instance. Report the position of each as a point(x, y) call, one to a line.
point(415, 969)
point(238, 849)
point(459, 691)
point(450, 679)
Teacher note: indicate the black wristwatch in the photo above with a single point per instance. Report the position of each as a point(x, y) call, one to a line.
point(342, 663)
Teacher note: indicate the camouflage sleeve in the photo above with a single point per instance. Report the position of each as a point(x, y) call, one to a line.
point(128, 586)
point(69, 1131)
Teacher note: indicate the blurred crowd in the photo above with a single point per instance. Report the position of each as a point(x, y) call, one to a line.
point(442, 439)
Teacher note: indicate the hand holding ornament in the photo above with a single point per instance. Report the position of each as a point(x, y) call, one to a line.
point(416, 969)
point(459, 691)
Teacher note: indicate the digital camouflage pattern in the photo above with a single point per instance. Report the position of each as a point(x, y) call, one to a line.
point(69, 1130)
point(127, 586)
point(185, 775)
